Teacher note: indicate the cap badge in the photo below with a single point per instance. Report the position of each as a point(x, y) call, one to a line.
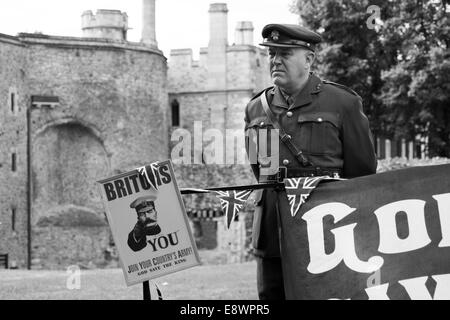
point(275, 35)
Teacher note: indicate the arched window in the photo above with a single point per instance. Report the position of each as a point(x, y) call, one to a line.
point(175, 113)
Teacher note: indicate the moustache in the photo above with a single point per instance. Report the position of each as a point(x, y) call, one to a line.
point(152, 230)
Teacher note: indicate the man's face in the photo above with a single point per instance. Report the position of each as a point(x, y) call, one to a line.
point(148, 216)
point(288, 66)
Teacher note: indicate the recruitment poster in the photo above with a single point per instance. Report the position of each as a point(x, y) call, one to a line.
point(149, 222)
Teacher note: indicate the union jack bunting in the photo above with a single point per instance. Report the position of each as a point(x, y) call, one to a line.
point(151, 173)
point(231, 202)
point(299, 189)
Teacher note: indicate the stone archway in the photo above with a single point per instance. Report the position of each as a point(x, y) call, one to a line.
point(67, 160)
point(67, 212)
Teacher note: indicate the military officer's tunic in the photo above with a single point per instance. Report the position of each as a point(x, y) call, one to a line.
point(326, 122)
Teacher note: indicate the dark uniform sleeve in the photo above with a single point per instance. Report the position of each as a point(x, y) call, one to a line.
point(358, 147)
point(136, 245)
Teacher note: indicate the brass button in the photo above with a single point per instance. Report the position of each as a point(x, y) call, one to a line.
point(289, 114)
point(285, 162)
point(319, 119)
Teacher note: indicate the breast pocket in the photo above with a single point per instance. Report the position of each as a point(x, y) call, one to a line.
point(259, 144)
point(320, 133)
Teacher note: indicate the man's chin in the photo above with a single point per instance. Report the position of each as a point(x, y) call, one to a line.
point(278, 81)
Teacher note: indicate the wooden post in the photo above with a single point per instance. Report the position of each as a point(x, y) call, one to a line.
point(146, 290)
point(388, 149)
point(411, 150)
point(379, 148)
point(403, 148)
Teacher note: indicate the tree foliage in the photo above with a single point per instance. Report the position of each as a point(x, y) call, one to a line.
point(400, 66)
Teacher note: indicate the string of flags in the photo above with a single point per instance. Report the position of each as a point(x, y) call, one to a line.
point(298, 191)
point(150, 173)
point(232, 202)
point(232, 199)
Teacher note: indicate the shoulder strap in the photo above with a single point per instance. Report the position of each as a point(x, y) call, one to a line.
point(341, 86)
point(259, 93)
point(285, 138)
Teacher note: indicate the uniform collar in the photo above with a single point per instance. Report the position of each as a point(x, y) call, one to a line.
point(313, 86)
point(278, 98)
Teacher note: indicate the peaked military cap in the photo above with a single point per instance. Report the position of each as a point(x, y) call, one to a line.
point(289, 36)
point(144, 202)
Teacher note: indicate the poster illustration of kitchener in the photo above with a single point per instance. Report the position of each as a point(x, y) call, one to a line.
point(149, 222)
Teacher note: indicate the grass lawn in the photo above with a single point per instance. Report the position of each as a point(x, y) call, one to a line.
point(206, 282)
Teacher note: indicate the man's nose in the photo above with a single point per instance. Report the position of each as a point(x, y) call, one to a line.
point(276, 59)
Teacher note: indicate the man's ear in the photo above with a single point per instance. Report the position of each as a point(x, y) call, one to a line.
point(310, 57)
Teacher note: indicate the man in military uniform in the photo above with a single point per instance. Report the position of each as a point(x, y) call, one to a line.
point(147, 224)
point(323, 132)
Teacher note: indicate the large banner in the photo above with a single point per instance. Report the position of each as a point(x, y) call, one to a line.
point(384, 236)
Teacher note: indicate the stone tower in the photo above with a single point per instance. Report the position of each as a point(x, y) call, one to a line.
point(73, 110)
point(108, 24)
point(148, 23)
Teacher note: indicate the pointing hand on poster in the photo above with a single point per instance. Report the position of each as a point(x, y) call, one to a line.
point(139, 231)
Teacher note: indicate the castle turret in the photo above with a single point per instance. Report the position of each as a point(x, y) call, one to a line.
point(244, 33)
point(148, 23)
point(109, 24)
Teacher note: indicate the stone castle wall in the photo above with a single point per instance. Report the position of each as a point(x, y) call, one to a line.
point(13, 189)
point(111, 118)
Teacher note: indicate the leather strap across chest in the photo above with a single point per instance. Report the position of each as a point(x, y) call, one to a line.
point(285, 138)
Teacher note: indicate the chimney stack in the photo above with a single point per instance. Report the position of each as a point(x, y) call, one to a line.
point(217, 63)
point(218, 24)
point(217, 48)
point(244, 33)
point(148, 23)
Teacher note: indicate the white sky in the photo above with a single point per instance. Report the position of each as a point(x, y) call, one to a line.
point(179, 23)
